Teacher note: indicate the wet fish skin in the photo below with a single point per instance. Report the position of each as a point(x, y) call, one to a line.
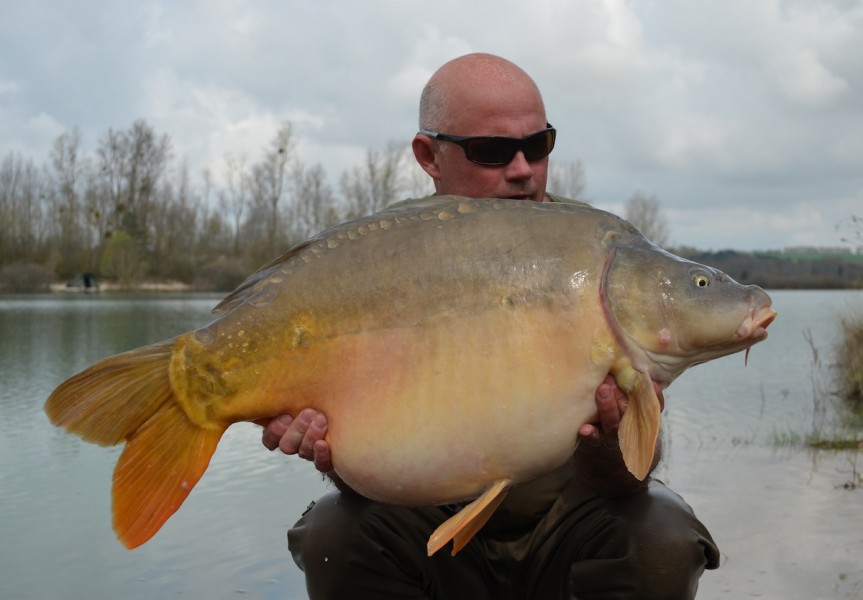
point(470, 334)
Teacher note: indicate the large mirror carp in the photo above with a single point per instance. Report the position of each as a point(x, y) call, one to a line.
point(468, 334)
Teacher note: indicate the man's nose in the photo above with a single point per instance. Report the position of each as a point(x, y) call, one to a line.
point(519, 167)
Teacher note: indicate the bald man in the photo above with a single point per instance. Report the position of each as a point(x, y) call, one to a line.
point(588, 530)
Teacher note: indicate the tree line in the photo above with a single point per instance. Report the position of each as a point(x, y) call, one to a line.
point(129, 212)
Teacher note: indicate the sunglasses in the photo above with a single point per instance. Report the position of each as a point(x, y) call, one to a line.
point(496, 151)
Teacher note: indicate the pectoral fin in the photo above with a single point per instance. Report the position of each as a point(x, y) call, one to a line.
point(463, 525)
point(639, 426)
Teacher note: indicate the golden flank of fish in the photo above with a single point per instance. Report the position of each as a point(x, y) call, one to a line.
point(470, 334)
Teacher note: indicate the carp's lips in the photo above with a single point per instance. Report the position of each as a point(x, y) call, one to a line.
point(754, 327)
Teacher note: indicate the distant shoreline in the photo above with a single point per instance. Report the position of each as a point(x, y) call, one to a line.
point(777, 283)
point(165, 286)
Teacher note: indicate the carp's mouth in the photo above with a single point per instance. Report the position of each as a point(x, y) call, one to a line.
point(754, 326)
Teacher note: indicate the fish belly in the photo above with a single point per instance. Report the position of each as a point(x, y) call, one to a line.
point(435, 413)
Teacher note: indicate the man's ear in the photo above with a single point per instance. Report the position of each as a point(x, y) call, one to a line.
point(423, 147)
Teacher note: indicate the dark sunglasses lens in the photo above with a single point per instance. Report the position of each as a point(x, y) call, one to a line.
point(539, 145)
point(491, 151)
point(497, 151)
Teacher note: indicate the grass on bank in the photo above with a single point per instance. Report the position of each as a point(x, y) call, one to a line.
point(837, 414)
point(835, 441)
point(849, 360)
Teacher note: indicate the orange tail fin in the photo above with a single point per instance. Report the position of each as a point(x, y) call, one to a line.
point(128, 397)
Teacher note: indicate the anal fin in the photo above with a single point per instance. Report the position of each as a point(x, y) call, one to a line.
point(462, 526)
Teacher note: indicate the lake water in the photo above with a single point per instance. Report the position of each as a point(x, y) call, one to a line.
point(786, 526)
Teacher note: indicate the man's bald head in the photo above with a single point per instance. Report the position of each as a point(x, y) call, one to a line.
point(479, 80)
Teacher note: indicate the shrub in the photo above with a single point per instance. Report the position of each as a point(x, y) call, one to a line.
point(222, 275)
point(849, 361)
point(25, 278)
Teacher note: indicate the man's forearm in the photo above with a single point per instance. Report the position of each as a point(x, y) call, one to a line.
point(599, 464)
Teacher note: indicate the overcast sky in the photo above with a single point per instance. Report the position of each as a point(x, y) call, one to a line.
point(744, 117)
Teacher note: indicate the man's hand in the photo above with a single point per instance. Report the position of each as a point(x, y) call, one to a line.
point(303, 436)
point(610, 404)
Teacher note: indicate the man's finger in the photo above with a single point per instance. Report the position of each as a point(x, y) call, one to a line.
point(293, 436)
point(274, 430)
point(588, 430)
point(316, 431)
point(610, 402)
point(323, 459)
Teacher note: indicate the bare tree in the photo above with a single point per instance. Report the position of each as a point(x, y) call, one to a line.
point(645, 213)
point(174, 223)
point(375, 184)
point(268, 187)
point(314, 208)
point(22, 213)
point(72, 242)
point(10, 177)
point(567, 179)
point(130, 167)
point(212, 235)
point(97, 212)
point(149, 155)
point(233, 198)
point(111, 156)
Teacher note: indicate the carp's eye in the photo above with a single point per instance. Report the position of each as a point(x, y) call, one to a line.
point(701, 280)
